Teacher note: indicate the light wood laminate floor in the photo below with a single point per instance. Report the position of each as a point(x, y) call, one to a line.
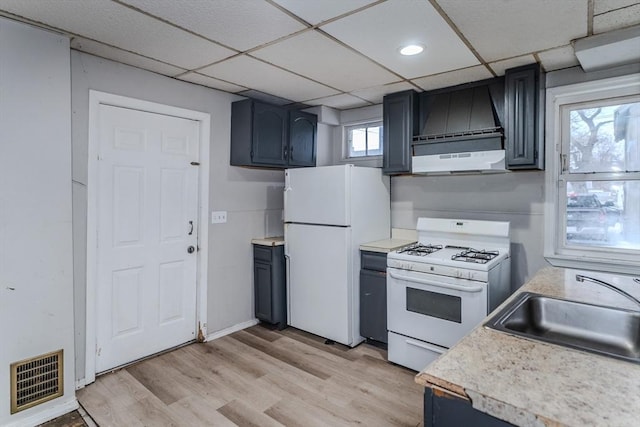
point(258, 377)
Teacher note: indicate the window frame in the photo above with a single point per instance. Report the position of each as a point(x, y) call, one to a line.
point(558, 100)
point(359, 125)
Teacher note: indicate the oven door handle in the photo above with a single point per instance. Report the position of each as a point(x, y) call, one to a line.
point(434, 283)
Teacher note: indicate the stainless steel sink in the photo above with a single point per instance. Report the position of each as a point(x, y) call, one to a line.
point(598, 329)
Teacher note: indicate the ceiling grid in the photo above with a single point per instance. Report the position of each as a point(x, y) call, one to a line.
point(339, 53)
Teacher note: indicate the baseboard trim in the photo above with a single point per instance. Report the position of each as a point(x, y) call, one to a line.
point(231, 329)
point(45, 415)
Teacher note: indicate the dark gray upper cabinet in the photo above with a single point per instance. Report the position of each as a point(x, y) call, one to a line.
point(303, 131)
point(400, 124)
point(524, 118)
point(265, 135)
point(269, 145)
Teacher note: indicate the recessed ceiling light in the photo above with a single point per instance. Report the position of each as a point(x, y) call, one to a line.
point(412, 49)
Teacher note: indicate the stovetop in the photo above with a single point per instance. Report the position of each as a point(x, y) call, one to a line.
point(474, 255)
point(450, 255)
point(464, 245)
point(418, 249)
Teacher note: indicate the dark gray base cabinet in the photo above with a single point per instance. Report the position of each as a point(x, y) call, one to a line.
point(269, 283)
point(442, 409)
point(373, 296)
point(270, 136)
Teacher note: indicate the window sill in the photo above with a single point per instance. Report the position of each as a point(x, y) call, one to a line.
point(585, 262)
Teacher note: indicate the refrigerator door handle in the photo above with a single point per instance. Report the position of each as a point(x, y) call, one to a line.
point(287, 274)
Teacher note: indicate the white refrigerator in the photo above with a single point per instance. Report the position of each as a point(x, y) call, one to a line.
point(328, 212)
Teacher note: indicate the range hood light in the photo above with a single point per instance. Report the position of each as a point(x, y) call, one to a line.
point(412, 49)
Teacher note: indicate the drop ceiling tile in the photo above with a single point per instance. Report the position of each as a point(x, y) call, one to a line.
point(375, 94)
point(245, 71)
point(122, 27)
point(381, 30)
point(602, 6)
point(558, 58)
point(203, 80)
point(255, 94)
point(500, 29)
point(619, 18)
point(119, 55)
point(315, 12)
point(341, 102)
point(309, 54)
point(238, 24)
point(499, 67)
point(453, 78)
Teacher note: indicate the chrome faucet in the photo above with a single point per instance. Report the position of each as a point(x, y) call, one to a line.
point(581, 278)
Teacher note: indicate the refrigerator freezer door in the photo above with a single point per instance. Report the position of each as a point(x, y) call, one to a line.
point(318, 195)
point(319, 282)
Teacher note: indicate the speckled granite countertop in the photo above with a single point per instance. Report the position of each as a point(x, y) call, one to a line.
point(269, 241)
point(530, 383)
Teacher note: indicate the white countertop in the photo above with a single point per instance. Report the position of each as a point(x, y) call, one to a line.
point(385, 245)
point(269, 241)
point(531, 383)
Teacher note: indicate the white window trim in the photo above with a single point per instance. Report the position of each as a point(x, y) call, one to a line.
point(554, 252)
point(345, 143)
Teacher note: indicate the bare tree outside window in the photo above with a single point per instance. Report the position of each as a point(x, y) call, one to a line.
point(603, 190)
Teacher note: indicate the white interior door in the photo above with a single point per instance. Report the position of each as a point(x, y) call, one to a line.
point(147, 222)
point(319, 285)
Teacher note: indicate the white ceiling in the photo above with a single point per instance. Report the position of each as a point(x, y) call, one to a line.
point(339, 53)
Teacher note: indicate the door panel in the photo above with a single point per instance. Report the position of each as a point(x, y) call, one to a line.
point(331, 191)
point(302, 138)
point(319, 286)
point(147, 197)
point(269, 135)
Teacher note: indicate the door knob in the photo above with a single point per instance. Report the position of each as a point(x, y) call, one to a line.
point(191, 249)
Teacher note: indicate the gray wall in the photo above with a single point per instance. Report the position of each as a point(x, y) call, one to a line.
point(252, 197)
point(36, 285)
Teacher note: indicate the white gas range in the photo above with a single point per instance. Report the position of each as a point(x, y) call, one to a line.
point(439, 289)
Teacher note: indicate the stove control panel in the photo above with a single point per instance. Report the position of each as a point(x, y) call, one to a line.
point(442, 270)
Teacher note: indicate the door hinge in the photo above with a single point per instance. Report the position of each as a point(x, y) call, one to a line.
point(195, 163)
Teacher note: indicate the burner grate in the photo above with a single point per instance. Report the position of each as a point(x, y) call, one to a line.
point(473, 255)
point(418, 249)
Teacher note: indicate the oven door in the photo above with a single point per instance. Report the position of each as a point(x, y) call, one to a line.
point(436, 309)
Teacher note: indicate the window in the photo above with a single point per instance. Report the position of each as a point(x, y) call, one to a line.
point(593, 182)
point(364, 140)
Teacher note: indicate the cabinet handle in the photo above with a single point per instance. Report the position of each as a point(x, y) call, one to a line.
point(285, 154)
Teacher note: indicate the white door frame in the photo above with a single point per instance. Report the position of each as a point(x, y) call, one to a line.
point(101, 98)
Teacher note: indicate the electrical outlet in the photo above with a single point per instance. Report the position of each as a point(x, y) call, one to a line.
point(218, 217)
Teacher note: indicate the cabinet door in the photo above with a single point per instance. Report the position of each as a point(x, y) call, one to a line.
point(522, 118)
point(302, 138)
point(262, 289)
point(269, 135)
point(373, 305)
point(398, 130)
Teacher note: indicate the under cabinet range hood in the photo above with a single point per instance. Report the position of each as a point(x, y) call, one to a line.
point(462, 132)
